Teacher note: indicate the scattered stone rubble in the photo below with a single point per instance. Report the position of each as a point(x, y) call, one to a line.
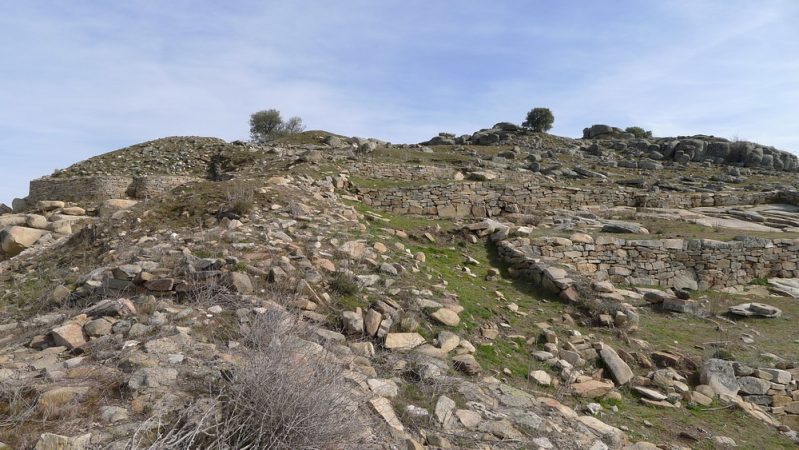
point(151, 317)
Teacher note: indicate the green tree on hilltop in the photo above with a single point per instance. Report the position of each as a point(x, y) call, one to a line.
point(539, 119)
point(268, 125)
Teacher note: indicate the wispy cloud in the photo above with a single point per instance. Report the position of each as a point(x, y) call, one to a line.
point(80, 78)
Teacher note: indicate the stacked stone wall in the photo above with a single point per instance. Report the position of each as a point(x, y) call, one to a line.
point(77, 189)
point(489, 199)
point(92, 189)
point(154, 186)
point(402, 172)
point(708, 263)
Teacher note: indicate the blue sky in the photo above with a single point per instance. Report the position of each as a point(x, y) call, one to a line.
point(81, 78)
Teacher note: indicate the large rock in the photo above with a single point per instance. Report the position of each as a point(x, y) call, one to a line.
point(111, 206)
point(69, 335)
point(50, 441)
point(5, 209)
point(19, 204)
point(620, 370)
point(36, 221)
point(383, 407)
point(754, 386)
point(446, 316)
point(353, 249)
point(592, 388)
point(467, 364)
point(720, 376)
point(152, 377)
point(12, 220)
point(60, 396)
point(240, 282)
point(49, 205)
point(352, 321)
point(403, 341)
point(16, 239)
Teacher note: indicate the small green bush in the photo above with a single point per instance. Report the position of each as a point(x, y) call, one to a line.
point(639, 132)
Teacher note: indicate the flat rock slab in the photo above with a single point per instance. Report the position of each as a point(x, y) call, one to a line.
point(592, 388)
point(650, 393)
point(788, 287)
point(755, 310)
point(403, 341)
point(618, 226)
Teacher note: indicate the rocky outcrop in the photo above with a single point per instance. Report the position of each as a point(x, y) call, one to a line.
point(694, 149)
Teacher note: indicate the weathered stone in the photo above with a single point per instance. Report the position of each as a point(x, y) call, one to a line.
point(403, 341)
point(15, 239)
point(98, 327)
point(160, 284)
point(445, 406)
point(541, 377)
point(755, 309)
point(61, 396)
point(754, 386)
point(353, 249)
point(468, 418)
point(446, 316)
point(152, 377)
point(592, 388)
point(650, 393)
point(467, 364)
point(372, 321)
point(448, 341)
point(620, 370)
point(50, 441)
point(36, 221)
point(383, 407)
point(240, 282)
point(383, 388)
point(69, 335)
point(113, 414)
point(353, 321)
point(109, 207)
point(777, 375)
point(720, 376)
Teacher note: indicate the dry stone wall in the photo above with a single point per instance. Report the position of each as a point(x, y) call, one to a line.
point(490, 199)
point(402, 172)
point(696, 263)
point(79, 188)
point(156, 185)
point(83, 189)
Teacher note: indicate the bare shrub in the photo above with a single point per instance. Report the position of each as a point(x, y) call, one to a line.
point(210, 292)
point(290, 394)
point(240, 198)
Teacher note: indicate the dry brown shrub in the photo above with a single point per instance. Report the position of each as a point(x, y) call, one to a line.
point(290, 394)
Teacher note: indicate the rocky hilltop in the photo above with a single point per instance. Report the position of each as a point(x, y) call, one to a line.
point(500, 290)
